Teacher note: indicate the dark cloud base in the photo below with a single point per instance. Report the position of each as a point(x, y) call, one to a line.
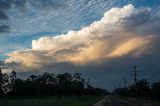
point(110, 73)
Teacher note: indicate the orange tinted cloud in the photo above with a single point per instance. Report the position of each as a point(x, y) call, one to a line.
point(103, 39)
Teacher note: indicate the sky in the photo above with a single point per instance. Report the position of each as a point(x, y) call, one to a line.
point(102, 39)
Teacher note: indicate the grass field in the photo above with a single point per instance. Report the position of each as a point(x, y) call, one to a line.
point(51, 101)
point(140, 101)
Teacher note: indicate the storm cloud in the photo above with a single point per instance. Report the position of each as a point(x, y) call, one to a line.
point(107, 48)
point(103, 40)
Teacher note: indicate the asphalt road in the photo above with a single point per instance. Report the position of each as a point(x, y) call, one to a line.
point(113, 101)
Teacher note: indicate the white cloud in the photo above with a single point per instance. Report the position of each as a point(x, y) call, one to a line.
point(104, 39)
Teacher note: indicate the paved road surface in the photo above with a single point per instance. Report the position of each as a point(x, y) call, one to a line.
point(112, 101)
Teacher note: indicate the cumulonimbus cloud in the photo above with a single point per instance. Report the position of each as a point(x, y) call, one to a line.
point(110, 37)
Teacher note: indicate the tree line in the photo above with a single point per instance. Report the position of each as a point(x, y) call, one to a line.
point(141, 89)
point(47, 84)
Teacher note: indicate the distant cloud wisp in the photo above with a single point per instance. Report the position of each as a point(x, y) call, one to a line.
point(4, 28)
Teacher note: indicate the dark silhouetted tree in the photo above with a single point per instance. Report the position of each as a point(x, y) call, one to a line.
point(1, 83)
point(156, 90)
point(47, 84)
point(78, 84)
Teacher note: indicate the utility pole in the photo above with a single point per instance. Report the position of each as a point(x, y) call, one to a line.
point(135, 72)
point(88, 83)
point(119, 85)
point(125, 85)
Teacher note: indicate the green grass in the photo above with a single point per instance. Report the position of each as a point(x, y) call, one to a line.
point(140, 101)
point(51, 101)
